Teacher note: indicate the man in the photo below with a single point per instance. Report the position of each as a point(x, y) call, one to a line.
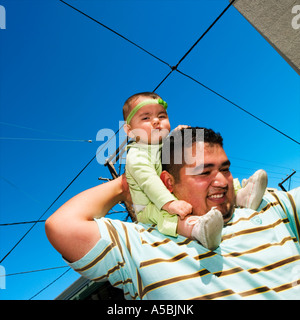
point(258, 258)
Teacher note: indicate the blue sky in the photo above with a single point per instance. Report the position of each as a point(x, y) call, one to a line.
point(64, 77)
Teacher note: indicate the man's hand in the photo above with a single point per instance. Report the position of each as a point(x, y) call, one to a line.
point(179, 207)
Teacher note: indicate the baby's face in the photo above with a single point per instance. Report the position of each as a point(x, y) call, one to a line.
point(150, 124)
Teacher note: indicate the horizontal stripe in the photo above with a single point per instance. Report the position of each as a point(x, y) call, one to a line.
point(287, 286)
point(254, 291)
point(274, 265)
point(248, 293)
point(160, 260)
point(97, 259)
point(259, 248)
point(110, 271)
point(215, 295)
point(228, 272)
point(251, 230)
point(184, 242)
point(173, 280)
point(122, 282)
point(205, 255)
point(157, 243)
point(264, 209)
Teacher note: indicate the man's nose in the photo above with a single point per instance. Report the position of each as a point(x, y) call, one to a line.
point(220, 180)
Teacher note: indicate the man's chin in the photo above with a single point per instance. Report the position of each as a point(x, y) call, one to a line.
point(228, 214)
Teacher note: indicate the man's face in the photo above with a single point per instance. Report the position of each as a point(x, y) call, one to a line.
point(211, 186)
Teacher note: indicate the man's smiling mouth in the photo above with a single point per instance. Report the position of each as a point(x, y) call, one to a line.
point(216, 196)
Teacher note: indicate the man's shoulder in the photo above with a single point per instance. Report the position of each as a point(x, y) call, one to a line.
point(285, 197)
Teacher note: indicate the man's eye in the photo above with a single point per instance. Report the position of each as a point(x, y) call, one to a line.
point(145, 118)
point(206, 173)
point(225, 170)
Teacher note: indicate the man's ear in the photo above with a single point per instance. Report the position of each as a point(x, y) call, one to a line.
point(168, 180)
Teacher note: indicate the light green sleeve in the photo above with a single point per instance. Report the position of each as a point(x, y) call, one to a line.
point(146, 175)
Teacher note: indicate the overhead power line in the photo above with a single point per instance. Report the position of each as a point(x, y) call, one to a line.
point(38, 139)
point(18, 223)
point(175, 68)
point(37, 130)
point(194, 45)
point(33, 271)
point(206, 31)
point(50, 284)
point(116, 33)
point(239, 107)
point(64, 190)
point(39, 221)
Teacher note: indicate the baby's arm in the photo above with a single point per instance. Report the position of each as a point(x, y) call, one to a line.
point(145, 176)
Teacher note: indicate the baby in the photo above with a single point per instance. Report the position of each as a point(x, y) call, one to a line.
point(147, 123)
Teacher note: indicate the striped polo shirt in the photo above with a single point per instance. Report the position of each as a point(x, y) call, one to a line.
point(258, 258)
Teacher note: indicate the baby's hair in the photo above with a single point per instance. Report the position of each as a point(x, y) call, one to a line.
point(127, 105)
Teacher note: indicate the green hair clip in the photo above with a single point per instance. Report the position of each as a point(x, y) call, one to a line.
point(144, 103)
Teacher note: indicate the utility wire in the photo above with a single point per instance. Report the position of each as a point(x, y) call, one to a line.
point(173, 68)
point(263, 163)
point(17, 223)
point(211, 90)
point(116, 33)
point(39, 221)
point(36, 130)
point(165, 78)
point(65, 189)
point(38, 139)
point(32, 271)
point(239, 107)
point(203, 35)
point(50, 284)
point(194, 45)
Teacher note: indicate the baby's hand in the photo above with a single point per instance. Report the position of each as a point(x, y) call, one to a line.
point(179, 207)
point(181, 126)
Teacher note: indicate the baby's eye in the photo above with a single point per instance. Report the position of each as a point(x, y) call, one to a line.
point(163, 116)
point(145, 118)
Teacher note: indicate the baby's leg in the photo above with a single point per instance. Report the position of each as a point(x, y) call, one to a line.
point(207, 229)
point(251, 194)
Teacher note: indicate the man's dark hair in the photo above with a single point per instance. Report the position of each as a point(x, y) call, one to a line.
point(173, 147)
